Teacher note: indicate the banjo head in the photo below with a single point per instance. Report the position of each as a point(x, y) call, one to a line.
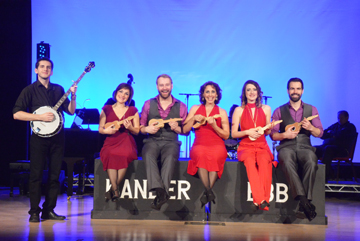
point(47, 129)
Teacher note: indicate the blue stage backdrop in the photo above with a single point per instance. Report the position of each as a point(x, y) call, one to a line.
point(227, 42)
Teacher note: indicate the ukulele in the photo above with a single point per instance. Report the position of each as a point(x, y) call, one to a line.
point(297, 126)
point(198, 124)
point(261, 130)
point(161, 122)
point(117, 124)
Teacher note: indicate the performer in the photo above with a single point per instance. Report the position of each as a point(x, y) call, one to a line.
point(161, 142)
point(208, 153)
point(44, 93)
point(119, 147)
point(295, 152)
point(256, 155)
point(338, 141)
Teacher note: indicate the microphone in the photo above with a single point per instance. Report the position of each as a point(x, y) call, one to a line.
point(84, 102)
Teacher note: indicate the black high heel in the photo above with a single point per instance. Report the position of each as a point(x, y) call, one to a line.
point(114, 197)
point(108, 195)
point(254, 207)
point(264, 204)
point(204, 199)
point(210, 196)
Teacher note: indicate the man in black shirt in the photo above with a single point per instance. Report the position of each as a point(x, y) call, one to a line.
point(338, 140)
point(38, 94)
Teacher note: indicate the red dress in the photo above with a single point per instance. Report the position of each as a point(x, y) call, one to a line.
point(208, 150)
point(256, 156)
point(119, 149)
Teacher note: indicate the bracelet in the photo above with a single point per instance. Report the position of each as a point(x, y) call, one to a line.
point(73, 97)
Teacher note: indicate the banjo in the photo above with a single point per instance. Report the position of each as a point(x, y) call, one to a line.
point(51, 128)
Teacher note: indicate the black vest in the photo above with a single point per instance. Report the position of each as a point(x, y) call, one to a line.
point(303, 138)
point(164, 133)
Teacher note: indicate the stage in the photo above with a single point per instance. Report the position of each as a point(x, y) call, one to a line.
point(342, 211)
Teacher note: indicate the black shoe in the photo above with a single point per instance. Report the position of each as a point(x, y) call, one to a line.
point(161, 198)
point(264, 204)
point(114, 197)
point(204, 199)
point(34, 218)
point(108, 195)
point(210, 196)
point(52, 215)
point(306, 211)
point(254, 207)
point(154, 204)
point(300, 212)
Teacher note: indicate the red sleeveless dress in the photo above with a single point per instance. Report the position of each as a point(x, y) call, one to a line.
point(256, 155)
point(208, 150)
point(120, 148)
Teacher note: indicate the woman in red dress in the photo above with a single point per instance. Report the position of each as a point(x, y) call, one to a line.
point(255, 154)
point(119, 148)
point(208, 153)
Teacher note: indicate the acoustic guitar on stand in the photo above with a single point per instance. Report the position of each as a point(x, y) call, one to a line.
point(161, 122)
point(261, 130)
point(117, 124)
point(297, 126)
point(198, 124)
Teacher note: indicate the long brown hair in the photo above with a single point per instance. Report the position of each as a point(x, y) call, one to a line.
point(258, 101)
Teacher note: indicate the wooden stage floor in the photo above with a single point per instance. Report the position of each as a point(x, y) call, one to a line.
point(343, 213)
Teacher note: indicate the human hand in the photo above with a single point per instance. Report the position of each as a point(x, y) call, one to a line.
point(198, 118)
point(306, 124)
point(211, 121)
point(110, 130)
point(253, 133)
point(47, 117)
point(173, 125)
point(73, 89)
point(152, 129)
point(127, 124)
point(289, 134)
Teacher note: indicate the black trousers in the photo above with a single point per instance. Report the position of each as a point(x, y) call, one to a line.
point(42, 150)
point(327, 154)
point(168, 151)
point(299, 165)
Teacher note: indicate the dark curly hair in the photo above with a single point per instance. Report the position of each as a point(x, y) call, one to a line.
point(202, 89)
point(258, 101)
point(124, 86)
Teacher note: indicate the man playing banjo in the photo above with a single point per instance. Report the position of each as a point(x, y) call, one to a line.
point(43, 148)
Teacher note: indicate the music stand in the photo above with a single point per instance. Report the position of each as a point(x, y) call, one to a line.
point(85, 117)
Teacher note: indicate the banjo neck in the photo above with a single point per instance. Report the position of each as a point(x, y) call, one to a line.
point(63, 98)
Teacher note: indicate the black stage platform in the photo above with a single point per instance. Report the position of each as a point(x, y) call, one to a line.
point(233, 197)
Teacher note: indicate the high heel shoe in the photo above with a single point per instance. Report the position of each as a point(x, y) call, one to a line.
point(115, 197)
point(108, 195)
point(204, 199)
point(210, 196)
point(264, 204)
point(254, 207)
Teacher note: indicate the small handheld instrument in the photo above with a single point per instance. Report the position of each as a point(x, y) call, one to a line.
point(161, 122)
point(198, 124)
point(261, 130)
point(51, 128)
point(297, 126)
point(117, 124)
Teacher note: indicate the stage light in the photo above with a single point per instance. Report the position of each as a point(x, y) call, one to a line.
point(42, 50)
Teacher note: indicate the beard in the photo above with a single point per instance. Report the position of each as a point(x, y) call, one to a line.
point(165, 95)
point(295, 97)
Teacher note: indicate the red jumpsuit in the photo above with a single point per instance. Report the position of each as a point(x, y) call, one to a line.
point(256, 156)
